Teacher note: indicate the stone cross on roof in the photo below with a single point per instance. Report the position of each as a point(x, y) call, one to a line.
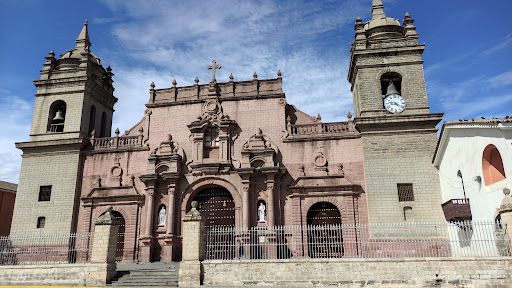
point(213, 67)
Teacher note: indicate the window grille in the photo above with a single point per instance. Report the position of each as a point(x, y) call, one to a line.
point(40, 222)
point(45, 193)
point(405, 192)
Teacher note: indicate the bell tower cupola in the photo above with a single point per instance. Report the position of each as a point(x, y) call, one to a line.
point(74, 93)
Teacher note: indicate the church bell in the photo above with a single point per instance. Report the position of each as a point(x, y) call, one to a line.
point(59, 116)
point(392, 89)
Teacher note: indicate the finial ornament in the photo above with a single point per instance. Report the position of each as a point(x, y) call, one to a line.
point(117, 132)
point(152, 85)
point(196, 80)
point(174, 83)
point(213, 67)
point(378, 9)
point(279, 73)
point(83, 39)
point(349, 115)
point(255, 75)
point(231, 77)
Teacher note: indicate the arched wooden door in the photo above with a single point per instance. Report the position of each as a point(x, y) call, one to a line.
point(325, 238)
point(120, 236)
point(217, 206)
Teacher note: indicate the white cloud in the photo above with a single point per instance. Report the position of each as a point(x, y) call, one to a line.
point(15, 126)
point(502, 44)
point(178, 40)
point(501, 80)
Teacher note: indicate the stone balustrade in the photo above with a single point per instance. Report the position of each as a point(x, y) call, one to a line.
point(117, 142)
point(320, 130)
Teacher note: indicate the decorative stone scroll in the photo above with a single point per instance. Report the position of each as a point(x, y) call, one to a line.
point(258, 152)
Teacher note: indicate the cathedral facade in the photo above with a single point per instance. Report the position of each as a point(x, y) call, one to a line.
point(238, 148)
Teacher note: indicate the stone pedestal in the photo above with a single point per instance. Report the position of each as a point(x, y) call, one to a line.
point(504, 213)
point(193, 248)
point(104, 248)
point(168, 248)
point(146, 244)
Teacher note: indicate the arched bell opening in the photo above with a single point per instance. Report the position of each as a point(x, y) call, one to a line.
point(92, 119)
point(385, 83)
point(56, 116)
point(325, 237)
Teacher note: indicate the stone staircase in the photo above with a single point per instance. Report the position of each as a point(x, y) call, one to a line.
point(146, 274)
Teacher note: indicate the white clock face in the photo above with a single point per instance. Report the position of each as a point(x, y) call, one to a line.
point(394, 103)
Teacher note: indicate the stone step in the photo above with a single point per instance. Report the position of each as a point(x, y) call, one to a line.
point(146, 274)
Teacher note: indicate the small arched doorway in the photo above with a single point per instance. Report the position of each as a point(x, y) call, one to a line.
point(217, 206)
point(325, 238)
point(120, 236)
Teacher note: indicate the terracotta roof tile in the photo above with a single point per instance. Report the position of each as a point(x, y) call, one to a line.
point(7, 186)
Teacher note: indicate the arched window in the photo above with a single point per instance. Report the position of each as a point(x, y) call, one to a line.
point(492, 165)
point(92, 119)
point(103, 131)
point(390, 76)
point(56, 116)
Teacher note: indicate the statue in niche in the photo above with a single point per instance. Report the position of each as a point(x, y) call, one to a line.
point(261, 213)
point(161, 216)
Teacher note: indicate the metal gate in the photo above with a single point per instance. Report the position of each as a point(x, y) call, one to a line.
point(120, 236)
point(217, 206)
point(325, 240)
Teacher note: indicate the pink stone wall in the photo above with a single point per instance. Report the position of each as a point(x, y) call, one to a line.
point(269, 115)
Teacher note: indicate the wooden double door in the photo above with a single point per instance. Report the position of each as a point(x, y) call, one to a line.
point(324, 231)
point(217, 206)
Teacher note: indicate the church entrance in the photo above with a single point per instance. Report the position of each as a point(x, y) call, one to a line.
point(217, 206)
point(325, 239)
point(120, 236)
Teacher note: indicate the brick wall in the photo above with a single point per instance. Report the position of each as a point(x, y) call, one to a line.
point(410, 273)
point(401, 158)
point(54, 274)
point(57, 170)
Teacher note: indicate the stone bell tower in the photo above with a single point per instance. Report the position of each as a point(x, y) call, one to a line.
point(74, 100)
point(392, 113)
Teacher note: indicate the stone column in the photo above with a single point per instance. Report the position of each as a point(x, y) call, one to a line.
point(104, 248)
point(245, 202)
point(150, 203)
point(169, 239)
point(193, 248)
point(146, 240)
point(504, 212)
point(270, 205)
point(170, 209)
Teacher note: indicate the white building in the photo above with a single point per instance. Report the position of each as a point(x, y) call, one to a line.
point(474, 159)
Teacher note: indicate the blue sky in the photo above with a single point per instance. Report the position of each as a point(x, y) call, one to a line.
point(468, 62)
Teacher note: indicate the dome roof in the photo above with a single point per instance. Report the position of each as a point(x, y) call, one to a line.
point(381, 25)
point(71, 58)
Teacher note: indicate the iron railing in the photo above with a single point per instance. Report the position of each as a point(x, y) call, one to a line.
point(42, 249)
point(461, 239)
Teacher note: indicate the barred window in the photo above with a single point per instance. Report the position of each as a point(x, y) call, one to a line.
point(45, 193)
point(211, 137)
point(40, 222)
point(405, 192)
